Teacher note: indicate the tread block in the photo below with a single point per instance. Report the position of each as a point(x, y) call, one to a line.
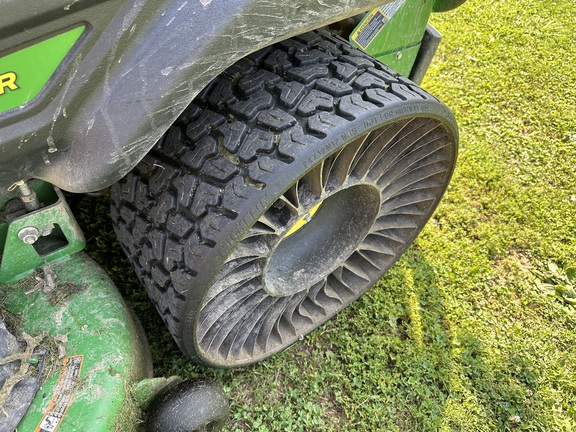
point(261, 169)
point(128, 214)
point(292, 141)
point(276, 119)
point(277, 61)
point(204, 150)
point(239, 69)
point(257, 81)
point(202, 126)
point(315, 101)
point(256, 141)
point(258, 56)
point(344, 71)
point(291, 46)
point(165, 204)
point(323, 122)
point(235, 193)
point(329, 48)
point(146, 165)
point(140, 229)
point(384, 72)
point(307, 74)
point(312, 57)
point(222, 94)
point(182, 280)
point(127, 189)
point(173, 256)
point(352, 106)
point(249, 108)
point(194, 251)
point(366, 81)
point(219, 169)
point(379, 97)
point(146, 258)
point(309, 39)
point(211, 227)
point(161, 277)
point(162, 177)
point(418, 91)
point(359, 61)
point(402, 91)
point(157, 239)
point(178, 225)
point(186, 185)
point(172, 143)
point(191, 113)
point(333, 87)
point(206, 195)
point(232, 135)
point(290, 93)
point(143, 200)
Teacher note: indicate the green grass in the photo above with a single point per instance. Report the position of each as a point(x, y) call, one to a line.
point(473, 329)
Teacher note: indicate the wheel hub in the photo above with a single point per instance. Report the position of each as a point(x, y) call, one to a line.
point(319, 244)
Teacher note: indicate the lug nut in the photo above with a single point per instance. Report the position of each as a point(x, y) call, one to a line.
point(28, 235)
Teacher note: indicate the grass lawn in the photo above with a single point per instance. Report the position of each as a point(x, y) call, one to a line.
point(474, 328)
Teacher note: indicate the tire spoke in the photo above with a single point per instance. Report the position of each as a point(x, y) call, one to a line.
point(395, 133)
point(385, 171)
point(216, 311)
point(292, 199)
point(268, 333)
point(376, 243)
point(314, 180)
point(342, 164)
point(227, 329)
point(405, 199)
point(244, 330)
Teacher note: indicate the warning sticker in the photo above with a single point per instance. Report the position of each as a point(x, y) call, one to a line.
point(63, 394)
point(370, 27)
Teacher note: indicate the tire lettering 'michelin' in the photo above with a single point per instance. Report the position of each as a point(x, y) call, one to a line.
point(8, 80)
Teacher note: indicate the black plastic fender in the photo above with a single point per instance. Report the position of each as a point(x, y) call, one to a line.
point(135, 69)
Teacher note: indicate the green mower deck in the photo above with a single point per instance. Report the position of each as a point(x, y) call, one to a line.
point(93, 360)
point(96, 353)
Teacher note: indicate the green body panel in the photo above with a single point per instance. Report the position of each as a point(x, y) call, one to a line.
point(402, 65)
point(83, 314)
point(24, 73)
point(18, 258)
point(392, 33)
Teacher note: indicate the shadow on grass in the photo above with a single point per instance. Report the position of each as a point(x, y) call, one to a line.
point(420, 371)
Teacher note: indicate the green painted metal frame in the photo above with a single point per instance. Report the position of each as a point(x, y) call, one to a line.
point(19, 258)
point(397, 36)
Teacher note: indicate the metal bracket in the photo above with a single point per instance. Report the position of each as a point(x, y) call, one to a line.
point(31, 240)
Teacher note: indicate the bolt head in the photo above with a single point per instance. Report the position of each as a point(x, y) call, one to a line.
point(29, 235)
point(398, 55)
